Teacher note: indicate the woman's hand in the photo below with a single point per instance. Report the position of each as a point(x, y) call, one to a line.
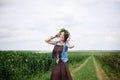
point(68, 39)
point(69, 45)
point(57, 35)
point(50, 39)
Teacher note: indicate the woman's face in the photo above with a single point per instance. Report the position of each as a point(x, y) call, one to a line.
point(62, 36)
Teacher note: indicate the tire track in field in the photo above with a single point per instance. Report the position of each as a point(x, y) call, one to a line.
point(100, 72)
point(79, 67)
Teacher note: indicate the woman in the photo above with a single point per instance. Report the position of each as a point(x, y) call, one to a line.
point(60, 70)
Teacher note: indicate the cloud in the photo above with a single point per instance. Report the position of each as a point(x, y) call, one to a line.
point(93, 24)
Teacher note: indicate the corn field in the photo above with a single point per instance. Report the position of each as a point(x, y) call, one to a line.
point(22, 65)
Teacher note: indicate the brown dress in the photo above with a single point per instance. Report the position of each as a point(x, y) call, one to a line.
point(60, 70)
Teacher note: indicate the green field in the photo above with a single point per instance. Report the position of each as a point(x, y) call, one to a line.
point(83, 65)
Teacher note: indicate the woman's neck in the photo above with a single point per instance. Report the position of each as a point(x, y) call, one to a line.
point(61, 42)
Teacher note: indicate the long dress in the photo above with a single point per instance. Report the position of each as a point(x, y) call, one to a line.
point(60, 70)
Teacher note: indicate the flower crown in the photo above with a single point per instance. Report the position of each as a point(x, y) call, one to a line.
point(66, 31)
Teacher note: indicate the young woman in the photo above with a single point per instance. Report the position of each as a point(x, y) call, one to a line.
point(60, 51)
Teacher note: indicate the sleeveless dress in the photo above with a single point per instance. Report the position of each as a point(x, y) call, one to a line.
point(60, 70)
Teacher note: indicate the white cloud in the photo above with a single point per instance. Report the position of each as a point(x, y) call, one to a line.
point(94, 24)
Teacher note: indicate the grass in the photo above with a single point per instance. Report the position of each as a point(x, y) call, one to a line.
point(46, 76)
point(111, 64)
point(87, 72)
point(19, 65)
point(43, 76)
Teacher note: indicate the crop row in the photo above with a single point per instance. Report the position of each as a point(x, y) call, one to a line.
point(111, 64)
point(21, 65)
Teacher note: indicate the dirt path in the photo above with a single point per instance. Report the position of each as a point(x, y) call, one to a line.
point(100, 72)
point(79, 67)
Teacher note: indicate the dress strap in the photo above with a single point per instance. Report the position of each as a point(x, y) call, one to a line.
point(53, 55)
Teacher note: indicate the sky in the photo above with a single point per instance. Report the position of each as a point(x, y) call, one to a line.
point(93, 24)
